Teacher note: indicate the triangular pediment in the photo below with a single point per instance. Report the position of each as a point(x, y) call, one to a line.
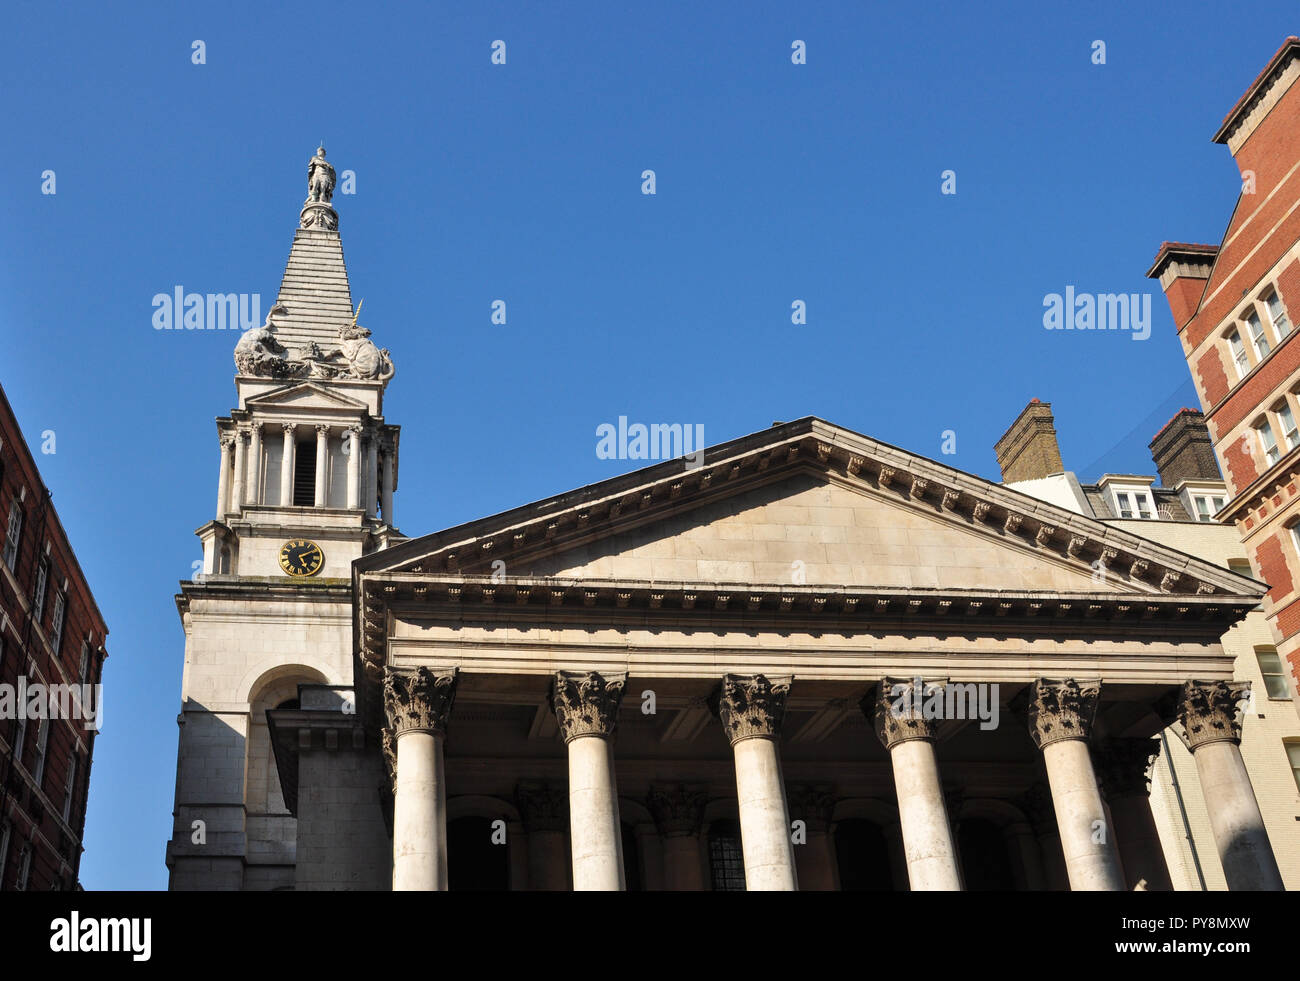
point(303, 395)
point(811, 505)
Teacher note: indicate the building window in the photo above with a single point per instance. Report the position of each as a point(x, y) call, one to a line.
point(68, 786)
point(1207, 507)
point(1269, 441)
point(42, 744)
point(1287, 421)
point(1257, 335)
point(24, 868)
point(42, 580)
point(1133, 504)
point(20, 740)
point(304, 475)
point(85, 661)
point(726, 857)
point(1293, 757)
point(1239, 357)
point(1277, 314)
point(56, 622)
point(13, 534)
point(1270, 666)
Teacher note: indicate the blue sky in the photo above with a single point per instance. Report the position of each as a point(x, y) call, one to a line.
point(476, 182)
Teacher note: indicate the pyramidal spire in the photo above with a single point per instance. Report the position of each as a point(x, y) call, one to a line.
point(311, 330)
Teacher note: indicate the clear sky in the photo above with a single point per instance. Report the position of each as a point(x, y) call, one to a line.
point(522, 182)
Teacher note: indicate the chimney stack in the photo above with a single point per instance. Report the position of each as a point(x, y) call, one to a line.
point(1183, 269)
point(1028, 450)
point(1183, 450)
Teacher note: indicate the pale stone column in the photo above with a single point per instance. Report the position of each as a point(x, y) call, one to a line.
point(1060, 722)
point(387, 491)
point(678, 811)
point(223, 480)
point(751, 708)
point(651, 848)
point(372, 472)
point(545, 813)
point(586, 707)
point(1124, 768)
point(418, 703)
point(241, 461)
point(815, 856)
point(286, 465)
point(322, 462)
point(354, 466)
point(253, 495)
point(902, 729)
point(1208, 713)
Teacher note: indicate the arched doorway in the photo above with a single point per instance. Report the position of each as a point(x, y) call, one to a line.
point(862, 855)
point(476, 862)
point(986, 865)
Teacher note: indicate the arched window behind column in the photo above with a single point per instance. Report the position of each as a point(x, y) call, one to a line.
point(631, 858)
point(862, 855)
point(475, 863)
point(985, 863)
point(726, 857)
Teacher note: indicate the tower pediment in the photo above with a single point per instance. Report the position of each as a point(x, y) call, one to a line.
point(304, 396)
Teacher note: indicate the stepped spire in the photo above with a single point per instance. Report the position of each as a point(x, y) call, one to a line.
point(311, 331)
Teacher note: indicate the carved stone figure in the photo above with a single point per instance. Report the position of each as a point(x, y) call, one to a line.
point(259, 353)
point(320, 178)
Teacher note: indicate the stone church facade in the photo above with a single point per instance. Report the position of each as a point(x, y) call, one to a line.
point(801, 659)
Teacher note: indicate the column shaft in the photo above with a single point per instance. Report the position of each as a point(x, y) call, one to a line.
point(253, 494)
point(596, 835)
point(223, 480)
point(322, 462)
point(1087, 838)
point(286, 467)
point(241, 459)
point(388, 475)
point(1235, 818)
point(354, 467)
point(419, 809)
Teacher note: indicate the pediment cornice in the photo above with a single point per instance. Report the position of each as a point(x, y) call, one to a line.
point(293, 396)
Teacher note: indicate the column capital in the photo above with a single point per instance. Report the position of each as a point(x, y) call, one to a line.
point(1061, 709)
point(586, 703)
point(542, 807)
point(1208, 711)
point(677, 809)
point(419, 700)
point(897, 710)
point(751, 705)
point(1124, 765)
point(242, 434)
point(323, 429)
point(289, 427)
point(811, 804)
point(226, 440)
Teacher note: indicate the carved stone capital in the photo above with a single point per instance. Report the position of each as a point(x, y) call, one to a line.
point(1208, 711)
point(897, 710)
point(323, 430)
point(586, 703)
point(289, 428)
point(1123, 765)
point(677, 810)
point(226, 441)
point(812, 805)
point(419, 700)
point(751, 705)
point(542, 807)
point(1061, 710)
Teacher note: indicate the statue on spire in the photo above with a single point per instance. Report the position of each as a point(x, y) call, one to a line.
point(320, 178)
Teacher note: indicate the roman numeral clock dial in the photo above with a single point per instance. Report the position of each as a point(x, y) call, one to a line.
point(301, 558)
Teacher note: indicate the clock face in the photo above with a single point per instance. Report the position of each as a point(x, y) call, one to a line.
point(301, 558)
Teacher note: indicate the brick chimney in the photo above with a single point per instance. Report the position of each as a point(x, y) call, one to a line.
point(1183, 269)
point(1028, 450)
point(1183, 450)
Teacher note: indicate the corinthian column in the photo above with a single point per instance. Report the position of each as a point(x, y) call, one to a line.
point(1124, 767)
point(751, 708)
point(322, 462)
point(586, 707)
point(389, 474)
point(418, 703)
point(286, 466)
point(223, 479)
point(241, 460)
point(1060, 723)
point(816, 856)
point(253, 495)
point(678, 811)
point(1208, 712)
point(354, 466)
point(545, 814)
point(372, 472)
point(896, 711)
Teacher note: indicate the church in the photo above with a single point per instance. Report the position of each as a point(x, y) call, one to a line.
point(799, 659)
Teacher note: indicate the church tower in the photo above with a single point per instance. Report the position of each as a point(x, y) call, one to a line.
point(305, 486)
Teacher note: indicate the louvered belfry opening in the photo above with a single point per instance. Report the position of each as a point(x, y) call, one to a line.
point(304, 474)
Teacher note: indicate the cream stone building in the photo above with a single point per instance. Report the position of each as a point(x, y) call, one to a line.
point(800, 659)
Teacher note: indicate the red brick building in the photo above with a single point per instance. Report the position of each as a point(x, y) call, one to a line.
point(1236, 306)
point(51, 633)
